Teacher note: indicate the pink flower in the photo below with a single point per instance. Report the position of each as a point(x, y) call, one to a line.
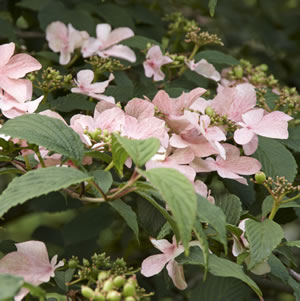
point(31, 262)
point(201, 188)
point(139, 108)
point(153, 63)
point(231, 168)
point(11, 108)
point(64, 39)
point(105, 45)
point(12, 68)
point(235, 101)
point(95, 90)
point(155, 263)
point(205, 69)
point(271, 125)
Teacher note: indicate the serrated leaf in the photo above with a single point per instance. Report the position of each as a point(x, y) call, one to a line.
point(276, 160)
point(62, 277)
point(219, 267)
point(128, 215)
point(267, 205)
point(231, 206)
point(103, 179)
point(72, 102)
point(164, 231)
point(46, 131)
point(45, 180)
point(216, 57)
point(9, 286)
point(178, 192)
point(6, 170)
point(139, 42)
point(293, 142)
point(119, 155)
point(294, 243)
point(140, 151)
point(212, 7)
point(263, 238)
point(201, 237)
point(220, 289)
point(214, 216)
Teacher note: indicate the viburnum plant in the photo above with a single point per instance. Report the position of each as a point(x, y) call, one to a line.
point(193, 149)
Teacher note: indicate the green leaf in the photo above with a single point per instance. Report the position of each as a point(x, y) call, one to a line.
point(140, 151)
point(219, 267)
point(212, 7)
point(267, 205)
point(103, 179)
point(263, 238)
point(231, 206)
point(5, 158)
point(214, 216)
point(9, 286)
point(46, 131)
point(35, 291)
point(201, 237)
point(139, 42)
point(128, 215)
point(72, 102)
point(220, 289)
point(216, 57)
point(164, 231)
point(293, 142)
point(276, 160)
point(35, 5)
point(45, 180)
point(295, 243)
point(178, 192)
point(6, 170)
point(119, 155)
point(62, 277)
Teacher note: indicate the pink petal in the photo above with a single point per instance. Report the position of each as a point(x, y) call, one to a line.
point(57, 36)
point(90, 47)
point(175, 271)
point(6, 52)
point(139, 108)
point(33, 105)
point(154, 264)
point(251, 146)
point(85, 77)
point(201, 165)
point(118, 35)
point(20, 64)
point(253, 117)
point(119, 51)
point(205, 69)
point(100, 87)
point(103, 32)
point(20, 89)
point(162, 245)
point(243, 136)
point(182, 156)
point(102, 106)
point(225, 173)
point(64, 57)
point(113, 120)
point(178, 142)
point(52, 114)
point(273, 125)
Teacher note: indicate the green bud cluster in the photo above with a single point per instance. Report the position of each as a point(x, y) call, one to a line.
point(101, 65)
point(179, 24)
point(202, 38)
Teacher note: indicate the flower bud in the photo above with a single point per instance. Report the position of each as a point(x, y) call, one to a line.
point(113, 296)
point(108, 285)
point(119, 281)
point(103, 275)
point(72, 263)
point(99, 297)
point(87, 292)
point(260, 177)
point(129, 290)
point(209, 111)
point(130, 298)
point(238, 71)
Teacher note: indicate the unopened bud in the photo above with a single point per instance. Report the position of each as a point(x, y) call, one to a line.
point(130, 298)
point(238, 71)
point(119, 281)
point(72, 263)
point(108, 285)
point(99, 297)
point(260, 177)
point(113, 296)
point(128, 290)
point(103, 275)
point(209, 111)
point(87, 292)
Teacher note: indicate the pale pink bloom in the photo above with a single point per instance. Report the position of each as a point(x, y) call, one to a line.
point(154, 60)
point(178, 160)
point(64, 39)
point(213, 134)
point(31, 262)
point(11, 108)
point(176, 106)
point(95, 90)
point(139, 108)
point(154, 264)
point(256, 122)
point(205, 69)
point(234, 102)
point(53, 114)
point(107, 43)
point(231, 168)
point(12, 68)
point(201, 188)
point(241, 245)
point(200, 104)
